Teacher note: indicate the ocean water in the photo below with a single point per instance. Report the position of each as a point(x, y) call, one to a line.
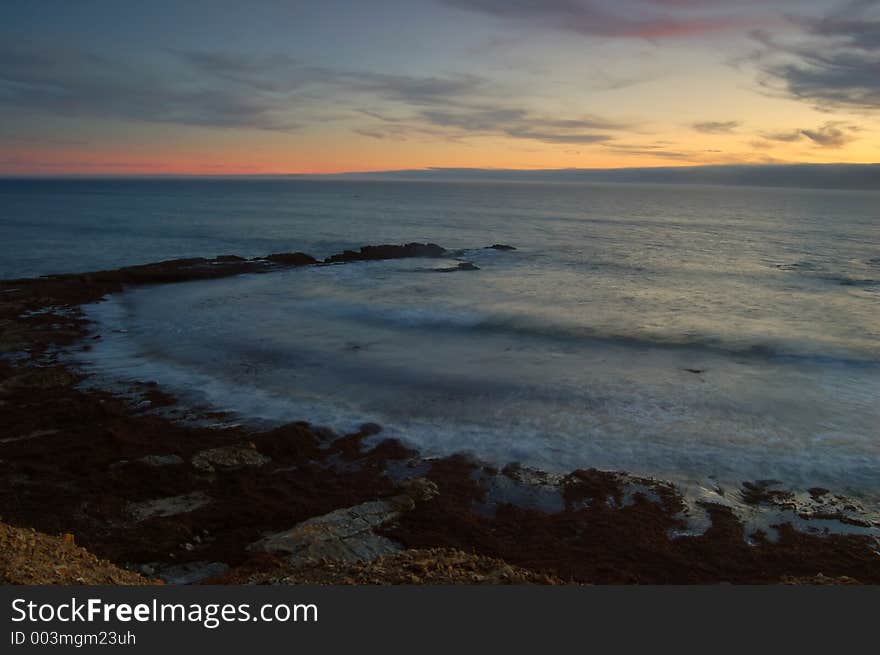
point(691, 333)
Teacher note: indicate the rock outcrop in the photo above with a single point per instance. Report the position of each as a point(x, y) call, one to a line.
point(387, 251)
point(347, 534)
point(229, 457)
point(170, 506)
point(292, 259)
point(462, 266)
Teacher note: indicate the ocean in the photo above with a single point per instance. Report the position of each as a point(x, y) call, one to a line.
point(707, 335)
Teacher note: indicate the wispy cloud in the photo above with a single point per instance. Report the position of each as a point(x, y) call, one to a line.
point(833, 63)
point(716, 127)
point(830, 135)
point(594, 18)
point(833, 134)
point(276, 92)
point(522, 124)
point(452, 107)
point(76, 83)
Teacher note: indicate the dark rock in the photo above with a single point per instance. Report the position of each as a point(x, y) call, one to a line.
point(171, 506)
point(761, 492)
point(695, 371)
point(420, 489)
point(292, 259)
point(229, 258)
point(462, 266)
point(192, 572)
point(500, 246)
point(161, 460)
point(344, 534)
point(229, 457)
point(387, 251)
point(817, 493)
point(511, 470)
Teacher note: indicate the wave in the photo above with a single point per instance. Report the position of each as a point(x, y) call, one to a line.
point(817, 271)
point(524, 326)
point(852, 281)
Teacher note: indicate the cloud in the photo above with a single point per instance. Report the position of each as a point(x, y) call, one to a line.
point(521, 124)
point(716, 127)
point(658, 150)
point(463, 121)
point(833, 63)
point(593, 18)
point(833, 134)
point(275, 92)
point(409, 89)
point(829, 136)
point(786, 137)
point(678, 155)
point(75, 83)
point(209, 89)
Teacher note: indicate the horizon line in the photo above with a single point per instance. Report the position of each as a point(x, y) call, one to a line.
point(448, 169)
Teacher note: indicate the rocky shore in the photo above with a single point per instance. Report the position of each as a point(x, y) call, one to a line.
point(152, 498)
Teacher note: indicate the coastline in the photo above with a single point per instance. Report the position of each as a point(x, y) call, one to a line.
point(194, 501)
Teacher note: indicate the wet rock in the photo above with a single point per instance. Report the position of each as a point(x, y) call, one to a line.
point(345, 534)
point(158, 398)
point(761, 492)
point(292, 259)
point(170, 506)
point(369, 429)
point(228, 458)
point(462, 266)
point(192, 572)
point(818, 493)
point(387, 251)
point(500, 246)
point(348, 534)
point(225, 259)
point(161, 460)
point(147, 569)
point(420, 489)
point(592, 487)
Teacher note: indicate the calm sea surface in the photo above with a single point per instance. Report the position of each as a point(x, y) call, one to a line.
point(570, 351)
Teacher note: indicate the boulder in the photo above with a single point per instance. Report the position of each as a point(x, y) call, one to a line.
point(170, 506)
point(229, 457)
point(347, 534)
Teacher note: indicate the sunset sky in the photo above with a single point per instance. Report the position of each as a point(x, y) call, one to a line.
point(280, 86)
